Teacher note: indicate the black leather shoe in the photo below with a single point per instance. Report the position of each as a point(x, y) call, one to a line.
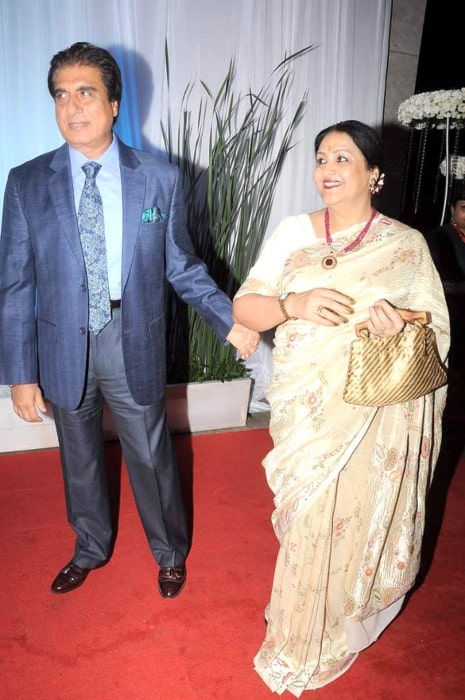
point(171, 580)
point(69, 578)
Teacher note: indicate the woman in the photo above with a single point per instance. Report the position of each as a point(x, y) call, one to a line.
point(349, 481)
point(447, 246)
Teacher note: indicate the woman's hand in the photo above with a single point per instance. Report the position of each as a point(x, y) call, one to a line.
point(327, 307)
point(384, 319)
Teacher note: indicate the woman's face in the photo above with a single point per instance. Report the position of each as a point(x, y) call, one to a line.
point(341, 173)
point(458, 213)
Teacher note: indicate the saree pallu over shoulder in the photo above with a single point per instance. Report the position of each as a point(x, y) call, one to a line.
point(349, 482)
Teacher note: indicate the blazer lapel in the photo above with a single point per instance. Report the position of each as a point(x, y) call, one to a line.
point(133, 185)
point(62, 196)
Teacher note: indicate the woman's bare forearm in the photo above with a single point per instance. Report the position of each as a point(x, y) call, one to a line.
point(258, 312)
point(326, 307)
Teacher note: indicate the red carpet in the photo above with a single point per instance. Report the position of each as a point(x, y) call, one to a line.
point(116, 639)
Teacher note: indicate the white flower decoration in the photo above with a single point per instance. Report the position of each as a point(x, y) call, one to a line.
point(456, 167)
point(432, 109)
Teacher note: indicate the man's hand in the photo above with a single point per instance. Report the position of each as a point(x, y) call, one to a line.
point(27, 400)
point(244, 340)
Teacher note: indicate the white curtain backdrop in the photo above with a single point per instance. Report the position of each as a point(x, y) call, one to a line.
point(344, 75)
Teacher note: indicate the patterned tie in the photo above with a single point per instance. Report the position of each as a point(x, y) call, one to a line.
point(92, 230)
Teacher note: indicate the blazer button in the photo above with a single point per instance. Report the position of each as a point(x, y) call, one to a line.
point(82, 330)
point(83, 287)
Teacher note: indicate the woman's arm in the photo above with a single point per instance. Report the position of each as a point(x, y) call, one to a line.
point(262, 312)
point(326, 307)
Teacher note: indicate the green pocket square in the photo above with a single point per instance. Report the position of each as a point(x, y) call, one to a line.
point(153, 215)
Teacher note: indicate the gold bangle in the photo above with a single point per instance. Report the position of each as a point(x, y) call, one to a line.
point(281, 300)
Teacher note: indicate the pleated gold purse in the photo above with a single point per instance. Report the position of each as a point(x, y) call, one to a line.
point(402, 367)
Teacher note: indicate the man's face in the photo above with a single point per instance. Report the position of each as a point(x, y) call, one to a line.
point(83, 111)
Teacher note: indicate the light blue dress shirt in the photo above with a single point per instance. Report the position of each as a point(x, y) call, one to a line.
point(109, 184)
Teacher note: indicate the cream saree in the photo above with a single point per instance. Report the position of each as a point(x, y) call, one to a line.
point(349, 482)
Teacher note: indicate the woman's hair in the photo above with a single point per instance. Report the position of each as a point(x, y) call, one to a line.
point(85, 54)
point(457, 196)
point(365, 138)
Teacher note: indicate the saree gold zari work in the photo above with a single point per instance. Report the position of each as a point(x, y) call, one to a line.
point(349, 481)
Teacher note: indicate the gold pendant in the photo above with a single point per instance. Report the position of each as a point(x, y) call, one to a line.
point(328, 262)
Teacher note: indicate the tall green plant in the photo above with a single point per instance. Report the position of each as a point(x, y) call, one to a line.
point(230, 200)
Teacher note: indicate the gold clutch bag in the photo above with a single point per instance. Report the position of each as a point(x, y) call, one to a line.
point(402, 367)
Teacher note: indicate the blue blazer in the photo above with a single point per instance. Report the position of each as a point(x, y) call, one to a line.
point(43, 287)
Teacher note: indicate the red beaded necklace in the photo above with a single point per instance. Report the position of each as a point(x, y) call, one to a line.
point(330, 261)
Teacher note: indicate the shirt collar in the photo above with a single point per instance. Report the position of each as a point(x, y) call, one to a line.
point(109, 159)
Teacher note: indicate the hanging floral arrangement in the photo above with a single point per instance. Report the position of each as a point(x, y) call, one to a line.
point(436, 109)
point(456, 167)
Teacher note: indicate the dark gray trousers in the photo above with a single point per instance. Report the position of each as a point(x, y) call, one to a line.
point(148, 453)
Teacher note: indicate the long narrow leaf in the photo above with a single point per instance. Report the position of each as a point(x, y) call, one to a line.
point(229, 203)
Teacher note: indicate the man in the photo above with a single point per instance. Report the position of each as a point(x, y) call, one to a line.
point(90, 222)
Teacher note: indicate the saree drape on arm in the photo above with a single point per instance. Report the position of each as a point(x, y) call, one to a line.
point(349, 482)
